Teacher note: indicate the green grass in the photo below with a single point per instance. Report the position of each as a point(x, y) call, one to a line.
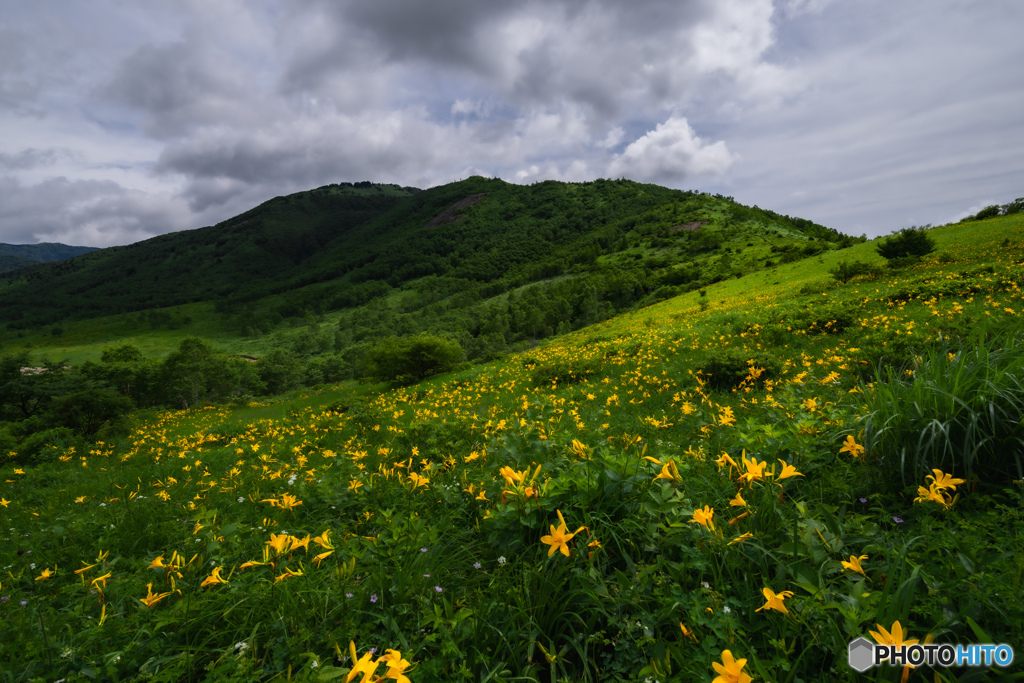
point(506, 609)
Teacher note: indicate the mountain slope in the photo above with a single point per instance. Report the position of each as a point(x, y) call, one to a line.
point(14, 256)
point(244, 253)
point(342, 246)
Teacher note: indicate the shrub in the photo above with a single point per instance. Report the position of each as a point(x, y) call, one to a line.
point(845, 272)
point(84, 412)
point(905, 243)
point(412, 358)
point(987, 212)
point(727, 369)
point(564, 372)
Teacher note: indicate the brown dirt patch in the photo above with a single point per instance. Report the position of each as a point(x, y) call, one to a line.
point(449, 215)
point(689, 227)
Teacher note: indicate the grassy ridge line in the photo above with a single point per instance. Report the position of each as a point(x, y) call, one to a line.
point(314, 250)
point(85, 340)
point(614, 615)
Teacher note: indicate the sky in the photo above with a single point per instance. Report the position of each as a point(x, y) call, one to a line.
point(121, 120)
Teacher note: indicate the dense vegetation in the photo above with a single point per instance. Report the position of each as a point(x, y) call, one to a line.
point(730, 474)
point(329, 284)
point(15, 256)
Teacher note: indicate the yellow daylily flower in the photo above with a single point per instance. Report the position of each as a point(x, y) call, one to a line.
point(730, 670)
point(288, 573)
point(559, 538)
point(47, 573)
point(669, 471)
point(787, 471)
point(894, 636)
point(279, 542)
point(151, 597)
point(740, 539)
point(852, 447)
point(360, 665)
point(396, 666)
point(755, 469)
point(296, 543)
point(704, 517)
point(944, 481)
point(214, 578)
point(854, 564)
point(774, 600)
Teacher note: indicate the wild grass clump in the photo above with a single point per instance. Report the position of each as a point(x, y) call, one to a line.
point(955, 409)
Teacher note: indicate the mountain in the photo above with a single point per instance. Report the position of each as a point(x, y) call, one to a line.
point(15, 256)
point(344, 246)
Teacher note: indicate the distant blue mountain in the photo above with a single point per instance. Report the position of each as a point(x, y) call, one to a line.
point(14, 256)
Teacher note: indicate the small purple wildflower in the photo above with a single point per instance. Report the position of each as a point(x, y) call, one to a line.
point(476, 565)
point(863, 500)
point(426, 576)
point(423, 550)
point(898, 520)
point(373, 598)
point(438, 589)
point(23, 602)
point(348, 595)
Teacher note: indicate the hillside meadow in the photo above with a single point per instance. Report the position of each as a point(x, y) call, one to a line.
point(734, 482)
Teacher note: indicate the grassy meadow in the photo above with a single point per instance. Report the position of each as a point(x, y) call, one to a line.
point(758, 472)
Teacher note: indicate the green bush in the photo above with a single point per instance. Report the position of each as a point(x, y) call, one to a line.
point(906, 243)
point(412, 358)
point(726, 369)
point(84, 412)
point(565, 372)
point(845, 272)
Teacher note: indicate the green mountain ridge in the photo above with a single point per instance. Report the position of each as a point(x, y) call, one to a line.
point(15, 256)
point(340, 246)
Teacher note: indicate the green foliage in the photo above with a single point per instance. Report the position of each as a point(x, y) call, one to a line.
point(958, 410)
point(844, 272)
point(279, 371)
point(727, 369)
point(84, 412)
point(908, 242)
point(412, 358)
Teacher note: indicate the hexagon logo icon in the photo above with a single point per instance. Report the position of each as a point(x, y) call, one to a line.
point(861, 656)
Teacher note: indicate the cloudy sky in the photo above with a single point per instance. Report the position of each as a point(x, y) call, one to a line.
point(120, 120)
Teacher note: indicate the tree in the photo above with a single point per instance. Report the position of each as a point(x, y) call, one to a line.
point(412, 358)
point(845, 272)
point(908, 242)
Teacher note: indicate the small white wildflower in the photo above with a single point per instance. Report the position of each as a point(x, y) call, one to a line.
point(705, 584)
point(501, 560)
point(726, 609)
point(241, 499)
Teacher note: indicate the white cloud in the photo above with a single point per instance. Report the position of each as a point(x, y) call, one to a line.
point(671, 153)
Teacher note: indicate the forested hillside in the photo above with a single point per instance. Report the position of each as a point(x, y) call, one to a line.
point(358, 242)
point(14, 256)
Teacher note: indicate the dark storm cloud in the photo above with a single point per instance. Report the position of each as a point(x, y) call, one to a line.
point(598, 53)
point(179, 86)
point(137, 118)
